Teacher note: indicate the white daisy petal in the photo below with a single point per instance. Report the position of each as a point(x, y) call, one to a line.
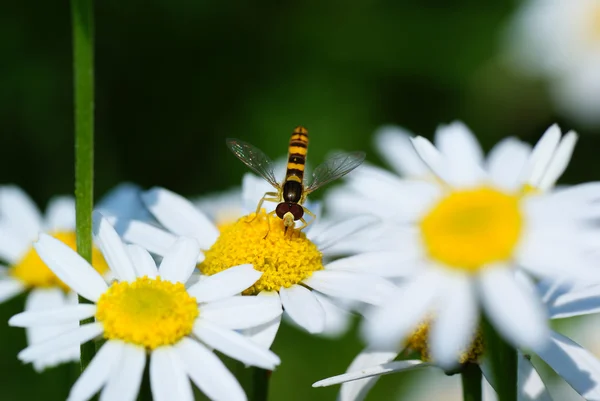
point(180, 261)
point(393, 143)
point(60, 214)
point(264, 334)
point(71, 268)
point(384, 264)
point(579, 367)
point(337, 319)
point(95, 376)
point(180, 216)
point(47, 300)
point(462, 152)
point(576, 303)
point(360, 287)
point(393, 321)
point(20, 212)
point(126, 376)
point(515, 311)
point(112, 248)
point(541, 156)
point(152, 238)
point(79, 336)
point(225, 284)
point(235, 345)
point(530, 384)
point(241, 312)
point(168, 378)
point(458, 143)
point(357, 390)
point(208, 373)
point(432, 158)
point(142, 261)
point(506, 161)
point(455, 325)
point(124, 201)
point(66, 314)
point(304, 309)
point(339, 231)
point(378, 370)
point(13, 246)
point(9, 288)
point(560, 161)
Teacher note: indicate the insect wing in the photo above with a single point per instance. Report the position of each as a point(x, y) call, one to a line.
point(254, 158)
point(334, 168)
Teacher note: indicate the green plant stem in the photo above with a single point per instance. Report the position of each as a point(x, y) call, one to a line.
point(82, 15)
point(503, 360)
point(471, 382)
point(255, 381)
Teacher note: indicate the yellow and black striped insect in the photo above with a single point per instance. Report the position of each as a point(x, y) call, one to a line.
point(292, 192)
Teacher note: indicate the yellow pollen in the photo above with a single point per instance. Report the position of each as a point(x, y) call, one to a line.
point(418, 343)
point(285, 259)
point(472, 228)
point(33, 272)
point(148, 312)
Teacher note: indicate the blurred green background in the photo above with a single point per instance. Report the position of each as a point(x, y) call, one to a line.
point(175, 78)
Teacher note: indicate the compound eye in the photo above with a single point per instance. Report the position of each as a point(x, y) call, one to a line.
point(297, 211)
point(282, 209)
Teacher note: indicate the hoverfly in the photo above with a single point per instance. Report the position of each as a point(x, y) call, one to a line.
point(292, 192)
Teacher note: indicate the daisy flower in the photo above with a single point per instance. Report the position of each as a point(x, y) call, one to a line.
point(148, 312)
point(560, 41)
point(458, 239)
point(395, 147)
point(20, 224)
point(575, 364)
point(294, 271)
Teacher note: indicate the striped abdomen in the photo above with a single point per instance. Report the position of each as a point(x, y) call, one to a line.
point(292, 188)
point(297, 155)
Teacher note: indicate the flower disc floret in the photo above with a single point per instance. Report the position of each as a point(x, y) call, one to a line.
point(284, 258)
point(147, 312)
point(472, 228)
point(33, 272)
point(418, 342)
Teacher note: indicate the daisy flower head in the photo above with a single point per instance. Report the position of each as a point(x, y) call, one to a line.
point(560, 41)
point(572, 362)
point(147, 312)
point(458, 240)
point(20, 224)
point(294, 271)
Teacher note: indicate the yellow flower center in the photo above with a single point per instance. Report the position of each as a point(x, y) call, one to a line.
point(148, 312)
point(418, 343)
point(33, 272)
point(284, 258)
point(471, 228)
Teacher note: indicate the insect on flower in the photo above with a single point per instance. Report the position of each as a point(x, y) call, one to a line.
point(292, 192)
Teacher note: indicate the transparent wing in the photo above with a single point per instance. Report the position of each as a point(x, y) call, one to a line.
point(334, 168)
point(254, 158)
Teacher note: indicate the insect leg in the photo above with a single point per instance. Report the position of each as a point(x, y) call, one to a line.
point(270, 197)
point(268, 224)
point(311, 214)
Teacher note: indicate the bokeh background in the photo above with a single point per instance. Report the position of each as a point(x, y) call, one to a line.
point(176, 77)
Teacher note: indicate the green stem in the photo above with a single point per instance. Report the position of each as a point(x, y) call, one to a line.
point(503, 361)
point(82, 15)
point(255, 381)
point(471, 382)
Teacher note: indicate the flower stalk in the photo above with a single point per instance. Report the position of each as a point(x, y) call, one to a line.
point(471, 382)
point(503, 361)
point(255, 381)
point(82, 16)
